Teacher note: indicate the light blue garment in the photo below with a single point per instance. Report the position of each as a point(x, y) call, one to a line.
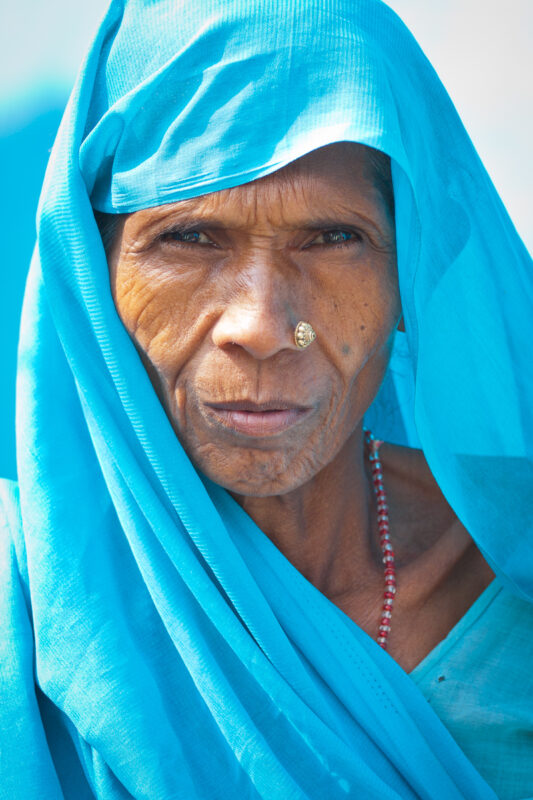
point(178, 654)
point(480, 683)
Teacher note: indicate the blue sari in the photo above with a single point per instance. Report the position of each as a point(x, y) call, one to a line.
point(155, 643)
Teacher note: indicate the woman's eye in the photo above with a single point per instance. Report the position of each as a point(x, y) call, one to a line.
point(336, 237)
point(187, 237)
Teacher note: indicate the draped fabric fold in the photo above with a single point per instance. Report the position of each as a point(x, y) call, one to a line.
point(178, 653)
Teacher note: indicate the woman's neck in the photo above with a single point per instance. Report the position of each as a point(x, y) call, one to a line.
point(326, 528)
point(328, 531)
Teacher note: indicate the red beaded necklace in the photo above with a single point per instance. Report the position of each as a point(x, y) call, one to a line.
point(384, 539)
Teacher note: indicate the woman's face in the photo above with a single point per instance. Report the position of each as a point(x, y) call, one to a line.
point(212, 288)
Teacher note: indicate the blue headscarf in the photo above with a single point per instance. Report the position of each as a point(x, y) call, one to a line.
point(177, 653)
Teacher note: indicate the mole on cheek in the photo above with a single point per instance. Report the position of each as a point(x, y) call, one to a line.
point(346, 349)
point(362, 327)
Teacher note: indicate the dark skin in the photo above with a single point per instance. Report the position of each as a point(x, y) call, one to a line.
point(211, 289)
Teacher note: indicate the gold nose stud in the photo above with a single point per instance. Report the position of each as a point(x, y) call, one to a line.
point(304, 335)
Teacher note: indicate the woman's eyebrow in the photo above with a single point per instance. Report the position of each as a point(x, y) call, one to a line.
point(191, 221)
point(341, 218)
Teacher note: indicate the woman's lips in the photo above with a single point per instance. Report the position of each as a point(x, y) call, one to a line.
point(252, 419)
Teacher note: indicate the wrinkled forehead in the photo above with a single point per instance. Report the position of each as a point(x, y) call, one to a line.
point(339, 170)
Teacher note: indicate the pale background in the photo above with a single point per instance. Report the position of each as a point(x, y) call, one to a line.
point(480, 48)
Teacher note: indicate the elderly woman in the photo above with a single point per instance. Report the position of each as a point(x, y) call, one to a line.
point(266, 245)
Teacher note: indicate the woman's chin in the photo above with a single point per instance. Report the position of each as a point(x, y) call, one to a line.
point(277, 474)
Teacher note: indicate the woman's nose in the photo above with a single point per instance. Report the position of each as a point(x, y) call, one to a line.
point(258, 318)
